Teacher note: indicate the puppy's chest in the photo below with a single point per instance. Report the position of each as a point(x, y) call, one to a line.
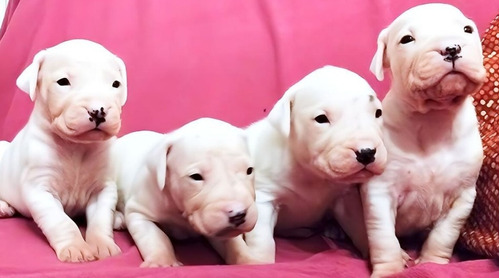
point(303, 205)
point(78, 176)
point(427, 186)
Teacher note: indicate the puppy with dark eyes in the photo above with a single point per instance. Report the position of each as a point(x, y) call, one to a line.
point(320, 139)
point(431, 133)
point(195, 181)
point(56, 166)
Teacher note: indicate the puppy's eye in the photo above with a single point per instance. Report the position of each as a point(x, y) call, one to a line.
point(196, 177)
point(468, 29)
point(63, 82)
point(116, 84)
point(406, 39)
point(378, 113)
point(322, 119)
point(249, 170)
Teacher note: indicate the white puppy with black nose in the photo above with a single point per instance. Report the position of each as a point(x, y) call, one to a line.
point(196, 180)
point(55, 167)
point(431, 133)
point(322, 137)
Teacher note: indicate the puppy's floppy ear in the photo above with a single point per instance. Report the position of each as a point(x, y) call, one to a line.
point(123, 71)
point(157, 161)
point(280, 115)
point(379, 60)
point(27, 80)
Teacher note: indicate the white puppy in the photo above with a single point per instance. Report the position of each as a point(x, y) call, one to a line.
point(430, 130)
point(320, 138)
point(197, 180)
point(55, 167)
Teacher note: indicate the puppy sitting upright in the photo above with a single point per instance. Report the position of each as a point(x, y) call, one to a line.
point(55, 167)
point(196, 180)
point(431, 133)
point(320, 138)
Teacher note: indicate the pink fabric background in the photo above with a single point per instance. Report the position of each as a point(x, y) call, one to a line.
point(187, 59)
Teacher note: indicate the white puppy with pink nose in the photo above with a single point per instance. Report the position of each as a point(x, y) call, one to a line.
point(431, 133)
point(196, 180)
point(320, 139)
point(56, 166)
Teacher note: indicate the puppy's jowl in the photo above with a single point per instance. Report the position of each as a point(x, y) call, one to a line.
point(431, 133)
point(320, 138)
point(195, 181)
point(55, 167)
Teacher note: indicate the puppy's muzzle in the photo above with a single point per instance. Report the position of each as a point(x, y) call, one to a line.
point(365, 156)
point(450, 53)
point(97, 116)
point(236, 218)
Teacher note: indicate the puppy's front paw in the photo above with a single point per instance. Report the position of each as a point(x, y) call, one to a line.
point(6, 210)
point(103, 246)
point(251, 260)
point(119, 221)
point(425, 258)
point(386, 269)
point(76, 251)
point(160, 261)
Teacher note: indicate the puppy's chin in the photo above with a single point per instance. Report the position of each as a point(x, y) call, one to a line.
point(84, 134)
point(348, 171)
point(448, 92)
point(216, 224)
point(440, 85)
point(360, 176)
point(214, 229)
point(90, 136)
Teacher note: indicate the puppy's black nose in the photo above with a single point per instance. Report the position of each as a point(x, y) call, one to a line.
point(97, 116)
point(451, 53)
point(237, 218)
point(365, 156)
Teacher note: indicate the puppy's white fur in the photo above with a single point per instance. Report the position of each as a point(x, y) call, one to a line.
point(55, 167)
point(305, 157)
point(185, 183)
point(431, 134)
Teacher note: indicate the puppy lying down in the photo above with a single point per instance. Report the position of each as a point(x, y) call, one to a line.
point(431, 133)
point(320, 139)
point(196, 180)
point(55, 167)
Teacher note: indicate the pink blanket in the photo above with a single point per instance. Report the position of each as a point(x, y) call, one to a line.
point(186, 59)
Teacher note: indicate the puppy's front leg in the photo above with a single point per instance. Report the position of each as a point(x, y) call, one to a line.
point(348, 211)
point(234, 250)
point(100, 217)
point(154, 245)
point(380, 214)
point(61, 231)
point(438, 247)
point(261, 239)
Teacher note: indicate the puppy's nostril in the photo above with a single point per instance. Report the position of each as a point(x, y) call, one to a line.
point(365, 156)
point(237, 218)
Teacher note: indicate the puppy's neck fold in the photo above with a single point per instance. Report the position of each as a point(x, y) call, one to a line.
point(421, 131)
